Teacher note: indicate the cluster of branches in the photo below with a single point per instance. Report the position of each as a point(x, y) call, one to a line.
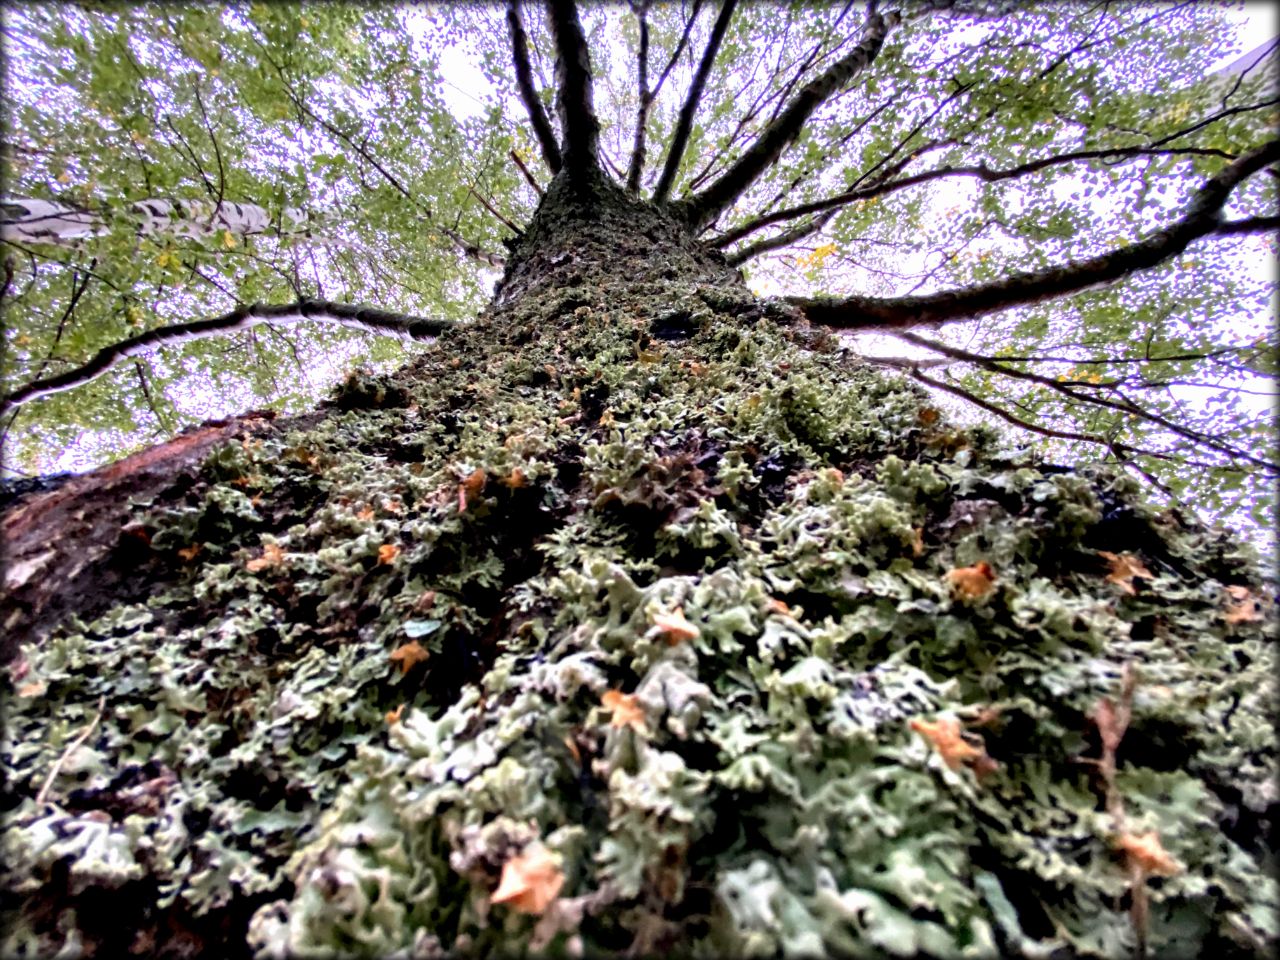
point(573, 151)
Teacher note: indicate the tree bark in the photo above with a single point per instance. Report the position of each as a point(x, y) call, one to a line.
point(629, 617)
point(42, 221)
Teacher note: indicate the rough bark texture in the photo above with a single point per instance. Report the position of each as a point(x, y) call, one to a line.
point(739, 648)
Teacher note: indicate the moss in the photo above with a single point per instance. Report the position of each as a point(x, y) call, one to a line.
point(547, 489)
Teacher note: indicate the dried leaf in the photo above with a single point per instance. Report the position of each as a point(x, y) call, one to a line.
point(1246, 608)
point(388, 552)
point(515, 479)
point(675, 626)
point(531, 880)
point(393, 716)
point(945, 737)
point(190, 553)
point(409, 654)
point(971, 583)
point(32, 689)
point(365, 513)
point(917, 542)
point(1147, 853)
point(272, 556)
point(1124, 567)
point(426, 600)
point(470, 488)
point(626, 709)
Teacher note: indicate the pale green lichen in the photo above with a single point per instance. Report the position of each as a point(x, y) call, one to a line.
point(803, 517)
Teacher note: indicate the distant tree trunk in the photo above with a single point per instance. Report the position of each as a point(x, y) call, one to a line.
point(41, 221)
point(631, 617)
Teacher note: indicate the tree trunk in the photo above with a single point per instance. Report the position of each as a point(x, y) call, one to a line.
point(40, 221)
point(631, 617)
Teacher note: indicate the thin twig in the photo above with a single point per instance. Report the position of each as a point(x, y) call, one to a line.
point(71, 748)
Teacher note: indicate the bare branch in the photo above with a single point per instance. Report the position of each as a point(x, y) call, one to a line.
point(1203, 218)
point(1118, 448)
point(636, 166)
point(675, 56)
point(685, 122)
point(574, 98)
point(348, 315)
point(978, 171)
point(528, 94)
point(784, 239)
point(707, 204)
point(529, 178)
point(471, 250)
point(1083, 392)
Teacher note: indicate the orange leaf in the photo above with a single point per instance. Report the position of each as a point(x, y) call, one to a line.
point(971, 583)
point(515, 479)
point(1148, 853)
point(531, 880)
point(470, 488)
point(408, 655)
point(1245, 609)
point(675, 626)
point(944, 736)
point(365, 513)
point(625, 708)
point(388, 552)
point(393, 716)
point(1124, 567)
point(272, 556)
point(777, 606)
point(190, 553)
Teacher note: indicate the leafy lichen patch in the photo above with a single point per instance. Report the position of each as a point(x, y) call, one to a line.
point(665, 616)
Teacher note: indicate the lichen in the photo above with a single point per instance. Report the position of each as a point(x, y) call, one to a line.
point(749, 537)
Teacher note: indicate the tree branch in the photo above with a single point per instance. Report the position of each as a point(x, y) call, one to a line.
point(1203, 218)
point(675, 152)
point(528, 94)
point(1114, 446)
point(1069, 389)
point(349, 315)
point(529, 178)
point(707, 204)
point(978, 171)
point(574, 98)
point(636, 166)
point(649, 97)
point(471, 250)
point(784, 239)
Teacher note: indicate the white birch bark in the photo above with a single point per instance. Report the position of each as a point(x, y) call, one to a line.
point(43, 221)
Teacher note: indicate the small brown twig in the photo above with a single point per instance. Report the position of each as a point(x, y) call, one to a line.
point(525, 170)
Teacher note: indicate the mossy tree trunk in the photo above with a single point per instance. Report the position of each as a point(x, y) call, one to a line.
point(732, 645)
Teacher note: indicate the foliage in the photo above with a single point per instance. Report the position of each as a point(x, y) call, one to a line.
point(350, 115)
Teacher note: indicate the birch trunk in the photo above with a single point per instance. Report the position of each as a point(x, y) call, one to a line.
point(43, 221)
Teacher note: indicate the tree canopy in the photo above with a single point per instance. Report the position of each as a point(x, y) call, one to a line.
point(1053, 216)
